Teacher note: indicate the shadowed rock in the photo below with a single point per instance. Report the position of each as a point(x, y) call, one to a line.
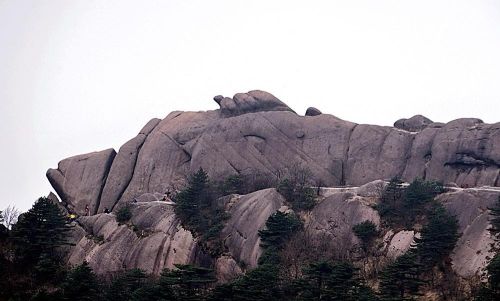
point(311, 111)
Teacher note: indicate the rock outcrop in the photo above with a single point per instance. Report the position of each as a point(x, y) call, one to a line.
point(312, 111)
point(414, 124)
point(79, 180)
point(255, 134)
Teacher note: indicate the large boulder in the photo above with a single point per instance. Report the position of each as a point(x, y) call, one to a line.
point(79, 180)
point(414, 124)
point(123, 168)
point(249, 214)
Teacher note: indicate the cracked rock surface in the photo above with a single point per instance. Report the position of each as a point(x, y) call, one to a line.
point(255, 133)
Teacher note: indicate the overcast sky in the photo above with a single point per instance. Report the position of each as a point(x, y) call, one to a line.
point(82, 76)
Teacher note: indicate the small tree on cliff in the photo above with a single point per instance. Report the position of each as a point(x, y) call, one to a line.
point(191, 201)
point(390, 207)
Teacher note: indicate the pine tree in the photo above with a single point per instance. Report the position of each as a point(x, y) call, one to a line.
point(491, 290)
point(260, 284)
point(400, 280)
point(366, 232)
point(325, 281)
point(187, 282)
point(81, 284)
point(495, 219)
point(390, 207)
point(39, 231)
point(192, 201)
point(438, 237)
point(279, 227)
point(125, 285)
point(418, 194)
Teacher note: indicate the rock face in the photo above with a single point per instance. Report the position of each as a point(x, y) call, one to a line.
point(470, 208)
point(255, 134)
point(249, 214)
point(157, 242)
point(79, 180)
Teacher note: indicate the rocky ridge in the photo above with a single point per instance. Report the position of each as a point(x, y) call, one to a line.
point(255, 133)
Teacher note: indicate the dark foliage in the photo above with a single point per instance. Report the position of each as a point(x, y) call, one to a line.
point(366, 231)
point(40, 231)
point(390, 207)
point(126, 285)
point(326, 281)
point(81, 284)
point(295, 187)
point(187, 282)
point(124, 214)
point(199, 212)
point(400, 280)
point(438, 237)
point(400, 206)
point(279, 228)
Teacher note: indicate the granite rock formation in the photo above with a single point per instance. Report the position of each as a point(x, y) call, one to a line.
point(255, 133)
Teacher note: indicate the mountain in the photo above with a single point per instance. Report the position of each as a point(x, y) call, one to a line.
point(257, 136)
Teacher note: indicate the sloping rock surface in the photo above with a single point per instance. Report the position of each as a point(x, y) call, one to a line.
point(255, 133)
point(79, 180)
point(155, 241)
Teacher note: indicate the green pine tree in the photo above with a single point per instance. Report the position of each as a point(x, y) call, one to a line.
point(366, 232)
point(417, 195)
point(187, 282)
point(39, 231)
point(390, 207)
point(81, 284)
point(495, 219)
point(279, 228)
point(438, 237)
point(400, 279)
point(325, 281)
point(125, 285)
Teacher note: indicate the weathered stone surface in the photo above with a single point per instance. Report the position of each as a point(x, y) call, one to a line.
point(400, 243)
point(227, 269)
point(414, 124)
point(249, 214)
point(158, 241)
point(335, 216)
point(79, 180)
point(470, 208)
point(253, 101)
point(254, 133)
point(263, 139)
point(123, 167)
point(312, 111)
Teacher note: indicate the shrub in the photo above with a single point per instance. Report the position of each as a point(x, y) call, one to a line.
point(124, 214)
point(366, 231)
point(295, 187)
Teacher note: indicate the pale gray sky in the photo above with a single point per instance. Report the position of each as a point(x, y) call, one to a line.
point(79, 76)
